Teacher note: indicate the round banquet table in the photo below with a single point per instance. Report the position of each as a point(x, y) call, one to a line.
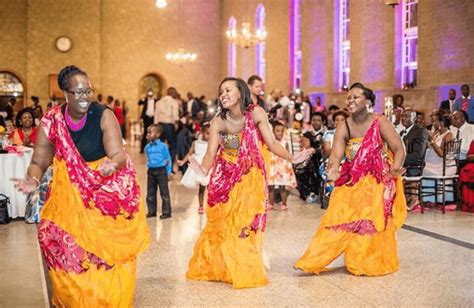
point(14, 165)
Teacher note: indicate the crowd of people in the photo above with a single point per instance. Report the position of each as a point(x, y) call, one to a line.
point(246, 152)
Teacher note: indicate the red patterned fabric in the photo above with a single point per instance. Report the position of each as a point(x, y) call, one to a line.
point(371, 159)
point(61, 252)
point(113, 195)
point(226, 174)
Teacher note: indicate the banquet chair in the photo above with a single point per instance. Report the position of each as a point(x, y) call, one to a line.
point(412, 184)
point(444, 183)
point(136, 132)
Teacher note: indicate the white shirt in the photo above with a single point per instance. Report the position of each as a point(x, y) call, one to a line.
point(150, 107)
point(167, 110)
point(406, 131)
point(399, 127)
point(190, 105)
point(466, 134)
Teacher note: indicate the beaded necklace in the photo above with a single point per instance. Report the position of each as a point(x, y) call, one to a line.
point(74, 126)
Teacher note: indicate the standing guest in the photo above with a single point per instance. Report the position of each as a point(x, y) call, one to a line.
point(8, 109)
point(52, 103)
point(317, 105)
point(147, 115)
point(189, 103)
point(99, 99)
point(415, 140)
point(119, 114)
point(420, 119)
point(465, 133)
point(36, 108)
point(190, 178)
point(450, 103)
point(338, 118)
point(331, 110)
point(229, 248)
point(367, 205)
point(167, 114)
point(25, 133)
point(93, 224)
point(281, 174)
point(159, 169)
point(466, 103)
point(398, 100)
point(397, 119)
point(256, 89)
point(184, 138)
point(110, 102)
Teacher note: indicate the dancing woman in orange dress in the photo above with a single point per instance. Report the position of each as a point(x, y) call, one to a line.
point(93, 223)
point(229, 248)
point(368, 205)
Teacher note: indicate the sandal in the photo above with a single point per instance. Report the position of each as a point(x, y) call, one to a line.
point(200, 210)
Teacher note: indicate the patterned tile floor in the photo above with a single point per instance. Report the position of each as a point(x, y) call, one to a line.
point(434, 270)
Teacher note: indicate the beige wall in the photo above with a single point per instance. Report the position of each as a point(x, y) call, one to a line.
point(119, 41)
point(115, 42)
point(13, 37)
point(277, 25)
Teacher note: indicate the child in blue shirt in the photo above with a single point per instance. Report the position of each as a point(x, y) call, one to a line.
point(159, 169)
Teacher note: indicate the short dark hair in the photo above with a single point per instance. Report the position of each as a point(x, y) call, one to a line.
point(277, 123)
point(320, 114)
point(158, 127)
point(464, 113)
point(368, 93)
point(205, 126)
point(445, 118)
point(252, 79)
point(66, 73)
point(338, 113)
point(465, 86)
point(395, 96)
point(245, 99)
point(333, 107)
point(21, 113)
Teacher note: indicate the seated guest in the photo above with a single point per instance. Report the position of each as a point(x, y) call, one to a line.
point(415, 139)
point(337, 117)
point(25, 133)
point(307, 173)
point(466, 182)
point(434, 155)
point(465, 134)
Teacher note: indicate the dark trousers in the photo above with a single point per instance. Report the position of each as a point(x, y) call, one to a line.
point(169, 135)
point(147, 121)
point(158, 177)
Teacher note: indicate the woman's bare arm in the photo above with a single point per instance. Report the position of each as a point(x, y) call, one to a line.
point(42, 156)
point(215, 128)
point(112, 139)
point(395, 144)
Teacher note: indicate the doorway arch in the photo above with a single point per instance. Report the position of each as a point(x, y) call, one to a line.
point(12, 85)
point(153, 81)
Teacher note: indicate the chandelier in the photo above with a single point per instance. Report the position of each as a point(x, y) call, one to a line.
point(245, 37)
point(181, 56)
point(161, 4)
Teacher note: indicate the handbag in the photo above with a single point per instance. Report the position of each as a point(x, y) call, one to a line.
point(4, 217)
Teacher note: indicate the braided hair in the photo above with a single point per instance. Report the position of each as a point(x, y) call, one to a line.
point(66, 73)
point(245, 98)
point(368, 93)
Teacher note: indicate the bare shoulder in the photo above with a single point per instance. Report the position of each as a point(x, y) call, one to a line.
point(217, 124)
point(258, 114)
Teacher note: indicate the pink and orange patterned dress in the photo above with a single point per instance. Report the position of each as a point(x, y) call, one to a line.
point(281, 171)
point(92, 227)
point(229, 248)
point(366, 209)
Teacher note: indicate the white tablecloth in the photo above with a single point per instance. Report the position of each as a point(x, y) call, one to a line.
point(13, 165)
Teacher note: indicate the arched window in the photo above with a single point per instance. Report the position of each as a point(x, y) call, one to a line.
point(10, 85)
point(296, 54)
point(260, 47)
point(232, 50)
point(344, 43)
point(409, 43)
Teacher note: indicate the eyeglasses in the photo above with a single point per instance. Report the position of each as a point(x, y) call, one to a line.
point(79, 93)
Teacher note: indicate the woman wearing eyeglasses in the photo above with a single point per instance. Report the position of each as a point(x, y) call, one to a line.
point(93, 223)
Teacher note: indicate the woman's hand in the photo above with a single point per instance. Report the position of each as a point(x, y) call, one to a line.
point(332, 173)
point(108, 167)
point(180, 162)
point(394, 172)
point(197, 167)
point(25, 185)
point(302, 156)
